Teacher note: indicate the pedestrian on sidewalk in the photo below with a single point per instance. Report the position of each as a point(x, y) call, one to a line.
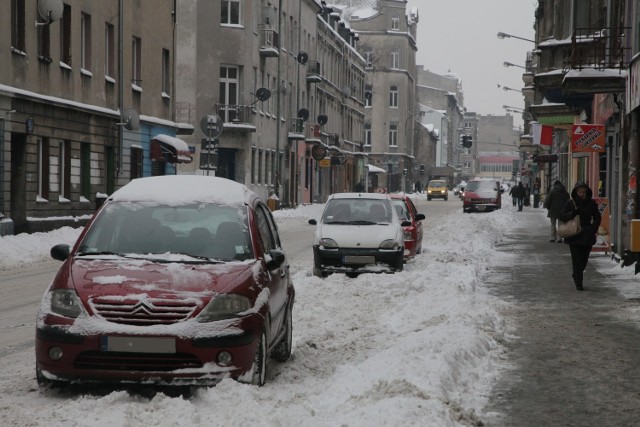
point(536, 192)
point(520, 193)
point(512, 193)
point(580, 245)
point(554, 201)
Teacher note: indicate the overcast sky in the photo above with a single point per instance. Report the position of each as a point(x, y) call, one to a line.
point(461, 36)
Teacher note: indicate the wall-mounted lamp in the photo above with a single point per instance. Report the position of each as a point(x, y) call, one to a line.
point(506, 88)
point(502, 35)
point(510, 64)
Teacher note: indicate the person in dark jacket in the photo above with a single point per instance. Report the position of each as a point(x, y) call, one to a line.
point(554, 201)
point(580, 245)
point(520, 193)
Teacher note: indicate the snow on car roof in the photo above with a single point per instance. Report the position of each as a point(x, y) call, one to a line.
point(179, 189)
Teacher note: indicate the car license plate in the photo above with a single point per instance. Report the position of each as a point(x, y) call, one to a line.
point(138, 344)
point(481, 207)
point(359, 259)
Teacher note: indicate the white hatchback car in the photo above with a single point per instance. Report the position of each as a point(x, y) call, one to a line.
point(358, 233)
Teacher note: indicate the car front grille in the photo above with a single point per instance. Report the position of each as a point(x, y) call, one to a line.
point(145, 312)
point(118, 361)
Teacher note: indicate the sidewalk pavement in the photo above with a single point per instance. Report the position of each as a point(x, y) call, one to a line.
point(574, 359)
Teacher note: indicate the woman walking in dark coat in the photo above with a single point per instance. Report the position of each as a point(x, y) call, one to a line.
point(520, 193)
point(554, 202)
point(582, 204)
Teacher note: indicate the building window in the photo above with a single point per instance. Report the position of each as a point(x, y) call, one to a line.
point(393, 97)
point(17, 25)
point(368, 57)
point(85, 170)
point(395, 58)
point(137, 155)
point(260, 167)
point(393, 135)
point(44, 43)
point(395, 22)
point(136, 61)
point(64, 169)
point(85, 41)
point(368, 95)
point(229, 86)
point(109, 50)
point(166, 72)
point(367, 134)
point(65, 36)
point(253, 165)
point(230, 12)
point(43, 168)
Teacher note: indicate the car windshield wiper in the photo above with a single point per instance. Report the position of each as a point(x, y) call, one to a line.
point(363, 222)
point(199, 257)
point(337, 222)
point(91, 253)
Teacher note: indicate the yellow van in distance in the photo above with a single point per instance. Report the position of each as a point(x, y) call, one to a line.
point(438, 188)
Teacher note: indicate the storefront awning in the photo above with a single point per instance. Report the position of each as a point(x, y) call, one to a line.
point(170, 149)
point(375, 169)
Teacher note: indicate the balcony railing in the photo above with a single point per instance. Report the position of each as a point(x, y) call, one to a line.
point(599, 48)
point(269, 42)
point(296, 125)
point(235, 114)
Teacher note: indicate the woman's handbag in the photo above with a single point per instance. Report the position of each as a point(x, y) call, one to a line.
point(569, 228)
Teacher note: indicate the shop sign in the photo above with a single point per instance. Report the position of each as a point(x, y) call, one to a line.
point(588, 138)
point(324, 163)
point(545, 158)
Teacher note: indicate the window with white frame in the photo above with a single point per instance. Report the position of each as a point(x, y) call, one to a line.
point(18, 25)
point(393, 97)
point(229, 87)
point(393, 135)
point(109, 50)
point(367, 134)
point(395, 22)
point(395, 58)
point(230, 12)
point(136, 61)
point(368, 57)
point(85, 41)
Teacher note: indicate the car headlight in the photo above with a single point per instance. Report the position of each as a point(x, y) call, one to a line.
point(224, 306)
point(328, 244)
point(389, 245)
point(66, 302)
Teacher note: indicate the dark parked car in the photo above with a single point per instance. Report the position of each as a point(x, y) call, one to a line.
point(177, 280)
point(407, 211)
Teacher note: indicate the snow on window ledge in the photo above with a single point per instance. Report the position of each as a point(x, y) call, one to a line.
point(83, 199)
point(40, 199)
point(63, 200)
point(110, 79)
point(85, 72)
point(65, 66)
point(136, 88)
point(165, 95)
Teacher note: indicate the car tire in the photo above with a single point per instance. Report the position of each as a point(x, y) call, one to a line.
point(259, 374)
point(319, 273)
point(45, 382)
point(446, 198)
point(352, 275)
point(282, 350)
point(428, 198)
point(398, 265)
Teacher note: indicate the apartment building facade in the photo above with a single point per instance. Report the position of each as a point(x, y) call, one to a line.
point(78, 120)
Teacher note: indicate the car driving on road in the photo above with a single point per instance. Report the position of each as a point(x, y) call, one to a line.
point(482, 195)
point(177, 280)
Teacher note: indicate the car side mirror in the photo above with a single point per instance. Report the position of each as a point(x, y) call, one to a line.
point(277, 259)
point(60, 252)
point(405, 223)
point(313, 222)
point(420, 217)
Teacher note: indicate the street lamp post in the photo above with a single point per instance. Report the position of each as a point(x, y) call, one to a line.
point(502, 35)
point(506, 88)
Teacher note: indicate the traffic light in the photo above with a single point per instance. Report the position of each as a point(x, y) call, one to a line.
point(421, 169)
point(404, 171)
point(467, 141)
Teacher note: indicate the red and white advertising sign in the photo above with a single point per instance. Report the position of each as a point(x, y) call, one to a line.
point(588, 138)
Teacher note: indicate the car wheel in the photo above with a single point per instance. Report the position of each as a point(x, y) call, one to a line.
point(446, 198)
point(398, 265)
point(44, 382)
point(259, 375)
point(282, 351)
point(428, 198)
point(352, 275)
point(319, 273)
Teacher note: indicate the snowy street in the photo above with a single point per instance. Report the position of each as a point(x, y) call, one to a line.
point(419, 347)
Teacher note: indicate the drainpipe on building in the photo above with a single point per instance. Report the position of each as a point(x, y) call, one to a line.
point(120, 85)
point(276, 187)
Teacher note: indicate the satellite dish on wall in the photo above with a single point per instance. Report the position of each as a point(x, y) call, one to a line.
point(322, 119)
point(131, 119)
point(303, 57)
point(303, 114)
point(263, 94)
point(346, 91)
point(50, 11)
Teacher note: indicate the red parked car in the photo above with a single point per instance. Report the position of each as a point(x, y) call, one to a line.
point(407, 211)
point(482, 195)
point(177, 280)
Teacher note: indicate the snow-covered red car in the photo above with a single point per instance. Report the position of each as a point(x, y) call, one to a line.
point(482, 195)
point(407, 211)
point(177, 280)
